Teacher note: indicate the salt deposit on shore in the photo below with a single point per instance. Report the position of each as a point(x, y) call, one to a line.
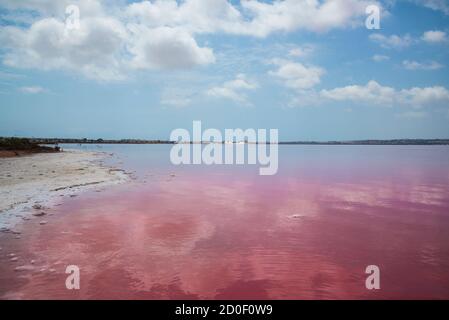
point(29, 184)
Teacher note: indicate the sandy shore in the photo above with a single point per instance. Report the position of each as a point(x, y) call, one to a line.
point(31, 183)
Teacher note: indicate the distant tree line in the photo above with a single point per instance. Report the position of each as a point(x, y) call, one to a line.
point(14, 143)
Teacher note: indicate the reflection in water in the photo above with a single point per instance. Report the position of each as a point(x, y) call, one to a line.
point(226, 233)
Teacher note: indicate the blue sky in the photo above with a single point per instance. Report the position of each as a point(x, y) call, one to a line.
point(141, 69)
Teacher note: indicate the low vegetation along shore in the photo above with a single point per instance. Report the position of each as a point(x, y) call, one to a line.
point(54, 141)
point(12, 147)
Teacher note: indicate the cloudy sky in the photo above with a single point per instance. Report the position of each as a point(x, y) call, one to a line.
point(139, 69)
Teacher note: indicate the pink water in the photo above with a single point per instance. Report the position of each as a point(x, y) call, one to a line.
point(225, 232)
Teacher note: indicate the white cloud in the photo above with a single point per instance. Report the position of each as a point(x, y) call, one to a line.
point(300, 52)
point(194, 16)
point(252, 17)
point(249, 17)
point(380, 58)
point(32, 90)
point(106, 47)
point(167, 48)
point(414, 65)
point(439, 5)
point(434, 36)
point(103, 48)
point(234, 89)
point(93, 50)
point(118, 37)
point(297, 75)
point(392, 41)
point(421, 97)
point(160, 34)
point(375, 94)
point(289, 15)
point(372, 93)
point(400, 42)
point(54, 8)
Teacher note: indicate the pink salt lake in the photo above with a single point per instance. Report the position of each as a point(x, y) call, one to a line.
point(224, 232)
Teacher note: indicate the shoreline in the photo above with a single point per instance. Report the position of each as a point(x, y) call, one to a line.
point(32, 183)
point(372, 141)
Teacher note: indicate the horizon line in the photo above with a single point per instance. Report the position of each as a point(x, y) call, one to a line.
point(395, 141)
